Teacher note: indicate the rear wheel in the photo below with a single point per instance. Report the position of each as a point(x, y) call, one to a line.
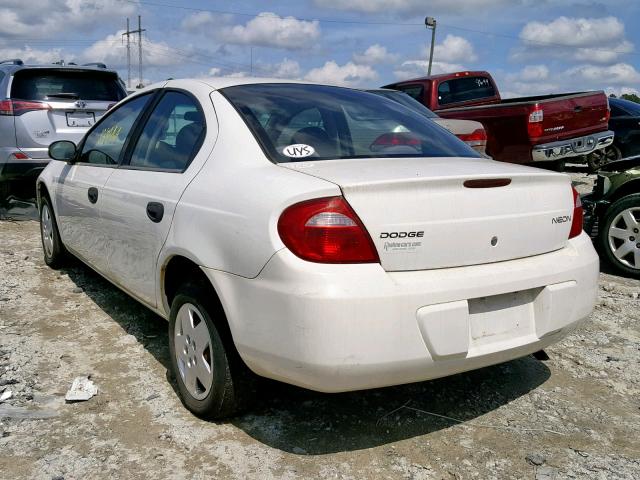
point(54, 251)
point(212, 379)
point(620, 235)
point(600, 158)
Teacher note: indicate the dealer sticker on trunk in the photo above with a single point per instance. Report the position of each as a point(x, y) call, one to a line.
point(298, 150)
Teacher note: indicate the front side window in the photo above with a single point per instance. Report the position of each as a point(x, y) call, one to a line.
point(105, 142)
point(317, 122)
point(172, 136)
point(465, 89)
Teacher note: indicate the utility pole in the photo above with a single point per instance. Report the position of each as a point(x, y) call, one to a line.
point(128, 57)
point(128, 33)
point(430, 22)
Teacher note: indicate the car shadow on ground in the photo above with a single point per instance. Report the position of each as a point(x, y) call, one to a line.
point(300, 421)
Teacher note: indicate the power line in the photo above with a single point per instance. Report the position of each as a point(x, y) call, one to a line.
point(360, 22)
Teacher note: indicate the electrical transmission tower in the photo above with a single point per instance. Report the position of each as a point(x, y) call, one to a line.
point(128, 33)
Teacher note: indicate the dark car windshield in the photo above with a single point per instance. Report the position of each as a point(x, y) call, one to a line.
point(406, 100)
point(297, 122)
point(40, 84)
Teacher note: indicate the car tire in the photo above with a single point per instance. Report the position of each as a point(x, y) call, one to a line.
point(54, 252)
point(619, 237)
point(599, 158)
point(5, 191)
point(212, 379)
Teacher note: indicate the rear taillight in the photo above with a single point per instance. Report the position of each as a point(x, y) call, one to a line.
point(18, 107)
point(19, 156)
point(326, 230)
point(478, 138)
point(534, 127)
point(578, 215)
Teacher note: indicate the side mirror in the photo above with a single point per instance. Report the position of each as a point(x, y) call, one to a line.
point(62, 150)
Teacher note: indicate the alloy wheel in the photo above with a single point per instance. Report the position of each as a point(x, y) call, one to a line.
point(624, 237)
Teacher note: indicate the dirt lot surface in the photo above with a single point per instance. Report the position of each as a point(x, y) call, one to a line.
point(576, 415)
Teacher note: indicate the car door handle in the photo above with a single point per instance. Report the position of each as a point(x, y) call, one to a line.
point(155, 211)
point(93, 194)
point(578, 109)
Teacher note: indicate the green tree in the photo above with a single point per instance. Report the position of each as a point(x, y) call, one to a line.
point(631, 97)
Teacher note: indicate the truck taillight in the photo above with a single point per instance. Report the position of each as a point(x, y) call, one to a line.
point(477, 138)
point(326, 230)
point(18, 107)
point(534, 127)
point(578, 215)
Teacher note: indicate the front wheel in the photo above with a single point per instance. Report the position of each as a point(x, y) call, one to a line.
point(619, 236)
point(212, 380)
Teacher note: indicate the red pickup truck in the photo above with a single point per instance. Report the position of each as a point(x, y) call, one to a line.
point(546, 128)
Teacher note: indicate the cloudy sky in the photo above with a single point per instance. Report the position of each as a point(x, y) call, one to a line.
point(530, 46)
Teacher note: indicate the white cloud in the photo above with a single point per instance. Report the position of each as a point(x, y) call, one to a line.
point(374, 55)
point(204, 21)
point(349, 74)
point(31, 55)
point(530, 73)
point(450, 55)
point(453, 49)
point(287, 69)
point(411, 7)
point(419, 68)
point(45, 17)
point(621, 74)
point(218, 72)
point(270, 30)
point(595, 40)
point(111, 51)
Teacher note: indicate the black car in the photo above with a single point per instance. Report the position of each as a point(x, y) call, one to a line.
point(612, 215)
point(625, 122)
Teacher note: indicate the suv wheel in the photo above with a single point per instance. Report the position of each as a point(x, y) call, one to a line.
point(212, 379)
point(620, 235)
point(54, 251)
point(600, 158)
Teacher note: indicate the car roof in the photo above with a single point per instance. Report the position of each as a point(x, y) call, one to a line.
point(223, 82)
point(11, 68)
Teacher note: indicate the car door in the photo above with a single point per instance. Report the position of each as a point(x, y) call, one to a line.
point(79, 189)
point(140, 197)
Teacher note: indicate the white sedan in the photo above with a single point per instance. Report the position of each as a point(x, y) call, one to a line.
point(322, 236)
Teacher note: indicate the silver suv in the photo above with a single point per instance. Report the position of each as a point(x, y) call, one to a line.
point(40, 104)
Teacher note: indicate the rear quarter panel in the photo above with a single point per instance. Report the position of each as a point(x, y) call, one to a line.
point(227, 217)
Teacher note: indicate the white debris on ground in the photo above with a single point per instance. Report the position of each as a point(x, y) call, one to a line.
point(82, 389)
point(575, 416)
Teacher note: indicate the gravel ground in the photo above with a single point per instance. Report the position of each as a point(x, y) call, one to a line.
point(576, 415)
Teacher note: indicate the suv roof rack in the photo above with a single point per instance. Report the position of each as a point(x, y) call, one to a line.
point(13, 61)
point(94, 64)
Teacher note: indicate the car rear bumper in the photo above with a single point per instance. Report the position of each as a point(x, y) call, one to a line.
point(12, 168)
point(572, 147)
point(349, 327)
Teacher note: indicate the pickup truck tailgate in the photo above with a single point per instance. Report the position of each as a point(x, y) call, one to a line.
point(574, 115)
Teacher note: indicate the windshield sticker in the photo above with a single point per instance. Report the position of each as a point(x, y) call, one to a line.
point(299, 150)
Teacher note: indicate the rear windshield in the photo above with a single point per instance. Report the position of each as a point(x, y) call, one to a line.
point(404, 99)
point(465, 89)
point(39, 84)
point(296, 122)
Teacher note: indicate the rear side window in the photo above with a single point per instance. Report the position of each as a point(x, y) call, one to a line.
point(40, 84)
point(465, 89)
point(414, 91)
point(318, 122)
point(172, 136)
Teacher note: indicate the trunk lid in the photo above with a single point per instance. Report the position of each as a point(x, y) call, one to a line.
point(420, 215)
